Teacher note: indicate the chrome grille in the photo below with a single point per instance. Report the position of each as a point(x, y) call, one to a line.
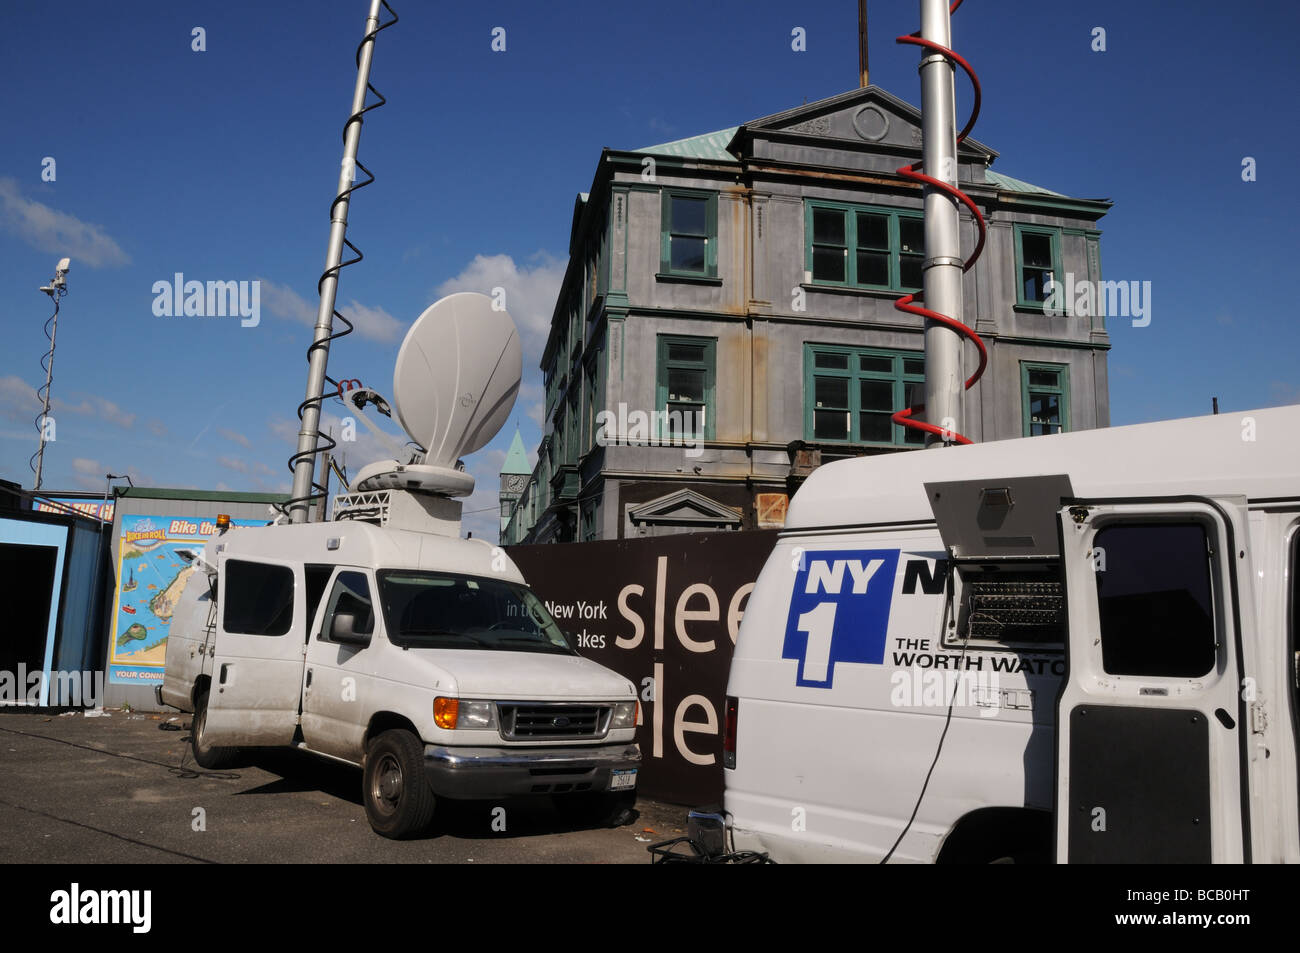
point(529, 721)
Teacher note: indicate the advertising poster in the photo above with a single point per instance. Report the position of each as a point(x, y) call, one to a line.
point(663, 612)
point(153, 566)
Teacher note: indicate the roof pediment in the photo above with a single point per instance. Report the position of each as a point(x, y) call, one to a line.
point(683, 506)
point(870, 116)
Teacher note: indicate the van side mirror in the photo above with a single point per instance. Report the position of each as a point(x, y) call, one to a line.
point(343, 629)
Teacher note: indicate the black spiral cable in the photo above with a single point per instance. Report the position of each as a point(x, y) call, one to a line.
point(324, 442)
point(43, 392)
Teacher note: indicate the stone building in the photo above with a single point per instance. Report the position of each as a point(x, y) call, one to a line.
point(726, 322)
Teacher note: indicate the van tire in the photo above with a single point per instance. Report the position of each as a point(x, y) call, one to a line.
point(207, 755)
point(599, 809)
point(399, 802)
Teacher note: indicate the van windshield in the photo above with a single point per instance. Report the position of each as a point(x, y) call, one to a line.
point(443, 610)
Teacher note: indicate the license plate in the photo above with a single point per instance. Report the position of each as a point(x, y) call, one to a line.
point(622, 780)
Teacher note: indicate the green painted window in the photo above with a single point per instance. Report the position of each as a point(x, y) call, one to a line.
point(689, 243)
point(1045, 390)
point(1038, 261)
point(850, 394)
point(862, 246)
point(588, 522)
point(685, 387)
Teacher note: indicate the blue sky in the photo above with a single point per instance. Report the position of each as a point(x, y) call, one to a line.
point(221, 165)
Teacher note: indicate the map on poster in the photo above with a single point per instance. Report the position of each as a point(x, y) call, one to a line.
point(153, 566)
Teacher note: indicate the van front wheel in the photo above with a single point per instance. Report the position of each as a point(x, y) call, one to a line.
point(399, 802)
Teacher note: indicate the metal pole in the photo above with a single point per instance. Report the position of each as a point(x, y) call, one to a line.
point(49, 376)
point(309, 433)
point(942, 281)
point(862, 44)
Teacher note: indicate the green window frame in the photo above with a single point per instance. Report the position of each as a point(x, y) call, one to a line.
point(851, 393)
point(588, 522)
point(685, 382)
point(863, 246)
point(1036, 261)
point(1045, 398)
point(688, 243)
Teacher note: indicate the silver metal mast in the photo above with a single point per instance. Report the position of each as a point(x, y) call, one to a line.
point(56, 289)
point(309, 432)
point(943, 263)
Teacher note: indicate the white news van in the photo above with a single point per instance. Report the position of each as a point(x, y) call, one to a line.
point(384, 640)
point(1079, 647)
point(425, 660)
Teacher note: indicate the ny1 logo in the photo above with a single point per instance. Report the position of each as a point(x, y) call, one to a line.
point(839, 611)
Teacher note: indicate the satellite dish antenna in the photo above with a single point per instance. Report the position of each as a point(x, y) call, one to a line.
point(454, 384)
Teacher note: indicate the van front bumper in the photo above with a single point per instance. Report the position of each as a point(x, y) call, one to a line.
point(507, 772)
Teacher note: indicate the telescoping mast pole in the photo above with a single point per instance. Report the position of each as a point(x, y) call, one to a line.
point(943, 263)
point(309, 432)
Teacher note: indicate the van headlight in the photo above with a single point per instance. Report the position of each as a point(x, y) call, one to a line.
point(461, 713)
point(624, 715)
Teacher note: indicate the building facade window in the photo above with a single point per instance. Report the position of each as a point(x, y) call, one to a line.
point(850, 394)
point(684, 407)
point(863, 246)
point(1038, 261)
point(689, 242)
point(588, 522)
point(1045, 390)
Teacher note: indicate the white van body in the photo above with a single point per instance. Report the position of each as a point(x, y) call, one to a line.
point(544, 719)
point(900, 639)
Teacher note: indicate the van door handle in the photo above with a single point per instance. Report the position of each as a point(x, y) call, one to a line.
point(224, 666)
point(309, 678)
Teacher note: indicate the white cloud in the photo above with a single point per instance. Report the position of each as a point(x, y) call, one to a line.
point(92, 405)
point(18, 400)
point(83, 465)
point(373, 323)
point(51, 230)
point(234, 437)
point(233, 463)
point(531, 400)
point(376, 324)
point(283, 302)
point(531, 292)
point(481, 509)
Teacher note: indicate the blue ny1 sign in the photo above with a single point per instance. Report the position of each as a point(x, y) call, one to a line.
point(839, 611)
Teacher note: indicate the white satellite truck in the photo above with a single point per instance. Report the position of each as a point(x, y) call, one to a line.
point(383, 640)
point(1079, 647)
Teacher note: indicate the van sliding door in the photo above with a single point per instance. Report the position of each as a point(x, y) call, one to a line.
point(1150, 720)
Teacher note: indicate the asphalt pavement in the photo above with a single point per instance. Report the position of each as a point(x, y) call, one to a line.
point(121, 787)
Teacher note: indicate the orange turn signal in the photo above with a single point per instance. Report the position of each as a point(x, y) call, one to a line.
point(445, 711)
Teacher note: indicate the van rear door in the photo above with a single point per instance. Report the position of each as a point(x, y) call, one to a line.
point(1150, 758)
point(258, 670)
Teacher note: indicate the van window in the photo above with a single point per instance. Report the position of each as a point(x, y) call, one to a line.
point(350, 595)
point(441, 610)
point(317, 578)
point(258, 598)
point(1155, 599)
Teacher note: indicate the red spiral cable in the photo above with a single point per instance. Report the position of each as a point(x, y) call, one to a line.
point(905, 303)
